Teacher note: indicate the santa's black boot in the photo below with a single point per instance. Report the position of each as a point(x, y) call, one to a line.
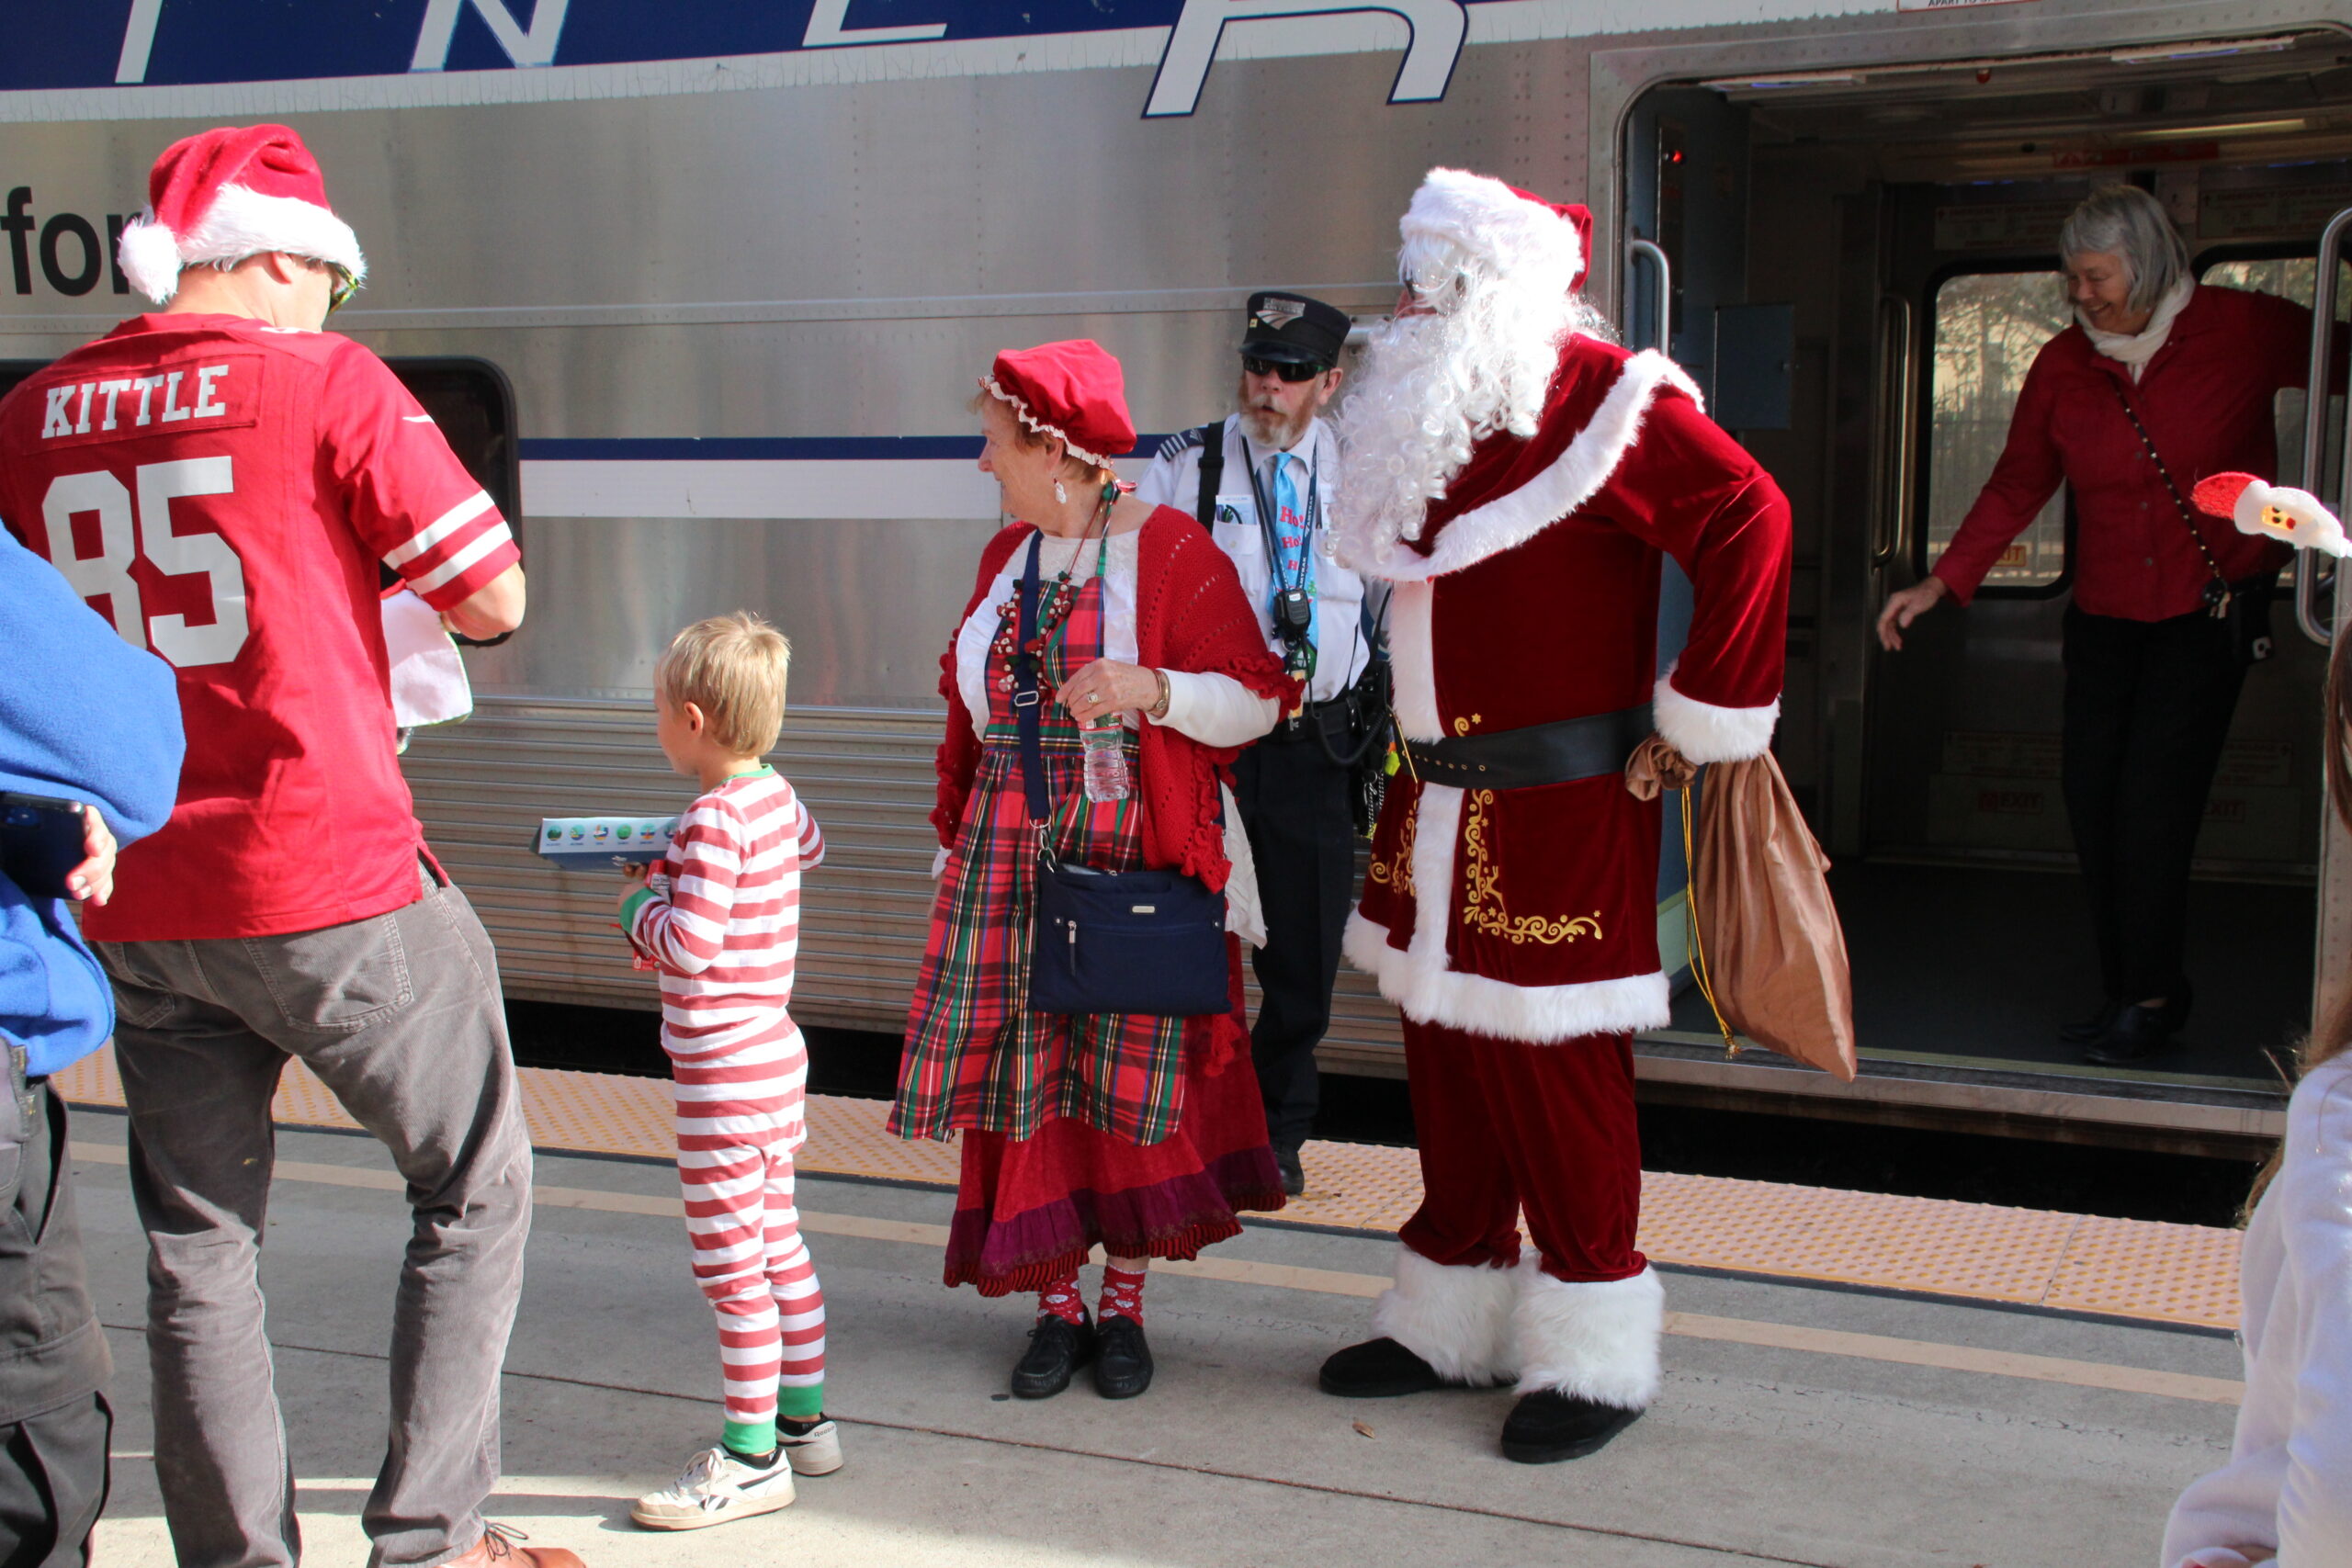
point(1586, 1352)
point(1547, 1427)
point(1442, 1326)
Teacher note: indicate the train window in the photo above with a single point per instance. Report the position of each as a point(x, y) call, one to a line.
point(15, 370)
point(2278, 269)
point(473, 403)
point(1987, 328)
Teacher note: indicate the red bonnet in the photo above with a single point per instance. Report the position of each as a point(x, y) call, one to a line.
point(1073, 391)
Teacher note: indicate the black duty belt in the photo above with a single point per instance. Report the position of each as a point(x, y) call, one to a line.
point(1332, 716)
point(1558, 752)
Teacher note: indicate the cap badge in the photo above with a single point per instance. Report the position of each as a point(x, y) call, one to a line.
point(1279, 313)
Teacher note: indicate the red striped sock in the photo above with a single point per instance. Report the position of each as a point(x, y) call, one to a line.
point(1062, 1300)
point(1122, 1293)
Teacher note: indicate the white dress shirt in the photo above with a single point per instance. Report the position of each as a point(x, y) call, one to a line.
point(1175, 480)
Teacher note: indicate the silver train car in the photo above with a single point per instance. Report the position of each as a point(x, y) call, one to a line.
point(701, 292)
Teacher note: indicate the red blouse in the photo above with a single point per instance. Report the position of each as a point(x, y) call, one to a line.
point(2206, 398)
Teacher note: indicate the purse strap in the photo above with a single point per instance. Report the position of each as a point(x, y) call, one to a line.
point(2217, 591)
point(1027, 694)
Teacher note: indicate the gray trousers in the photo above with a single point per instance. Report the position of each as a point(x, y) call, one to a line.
point(400, 1016)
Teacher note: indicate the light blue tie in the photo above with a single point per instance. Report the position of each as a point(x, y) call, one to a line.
point(1296, 565)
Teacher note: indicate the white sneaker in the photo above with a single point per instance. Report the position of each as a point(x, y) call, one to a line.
point(715, 1487)
point(818, 1453)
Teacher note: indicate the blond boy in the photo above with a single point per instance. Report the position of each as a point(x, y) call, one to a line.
point(721, 923)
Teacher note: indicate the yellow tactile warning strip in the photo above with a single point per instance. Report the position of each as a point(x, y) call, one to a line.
point(2184, 1274)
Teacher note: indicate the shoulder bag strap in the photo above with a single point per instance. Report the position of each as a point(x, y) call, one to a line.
point(1027, 692)
point(2217, 592)
point(1212, 471)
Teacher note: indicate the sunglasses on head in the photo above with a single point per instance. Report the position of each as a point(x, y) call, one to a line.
point(1254, 365)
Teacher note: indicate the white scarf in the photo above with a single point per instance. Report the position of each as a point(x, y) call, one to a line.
point(2135, 349)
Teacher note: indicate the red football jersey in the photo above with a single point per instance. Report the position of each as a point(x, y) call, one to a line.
point(223, 490)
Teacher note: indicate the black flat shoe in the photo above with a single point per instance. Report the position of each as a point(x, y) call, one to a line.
point(2091, 1028)
point(1056, 1349)
point(1293, 1174)
point(2136, 1034)
point(1380, 1368)
point(1546, 1427)
point(1123, 1369)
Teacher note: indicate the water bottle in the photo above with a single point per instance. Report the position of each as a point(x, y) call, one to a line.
point(1105, 740)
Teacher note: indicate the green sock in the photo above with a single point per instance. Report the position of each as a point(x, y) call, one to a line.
point(749, 1439)
point(801, 1404)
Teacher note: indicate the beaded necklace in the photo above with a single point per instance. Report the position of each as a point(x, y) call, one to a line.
point(1057, 602)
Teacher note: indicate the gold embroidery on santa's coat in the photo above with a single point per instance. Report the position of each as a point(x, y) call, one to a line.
point(1483, 905)
point(1397, 871)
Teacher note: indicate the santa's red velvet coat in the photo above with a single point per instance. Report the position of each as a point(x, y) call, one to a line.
point(1531, 597)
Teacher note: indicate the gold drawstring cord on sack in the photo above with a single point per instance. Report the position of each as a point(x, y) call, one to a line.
point(1690, 915)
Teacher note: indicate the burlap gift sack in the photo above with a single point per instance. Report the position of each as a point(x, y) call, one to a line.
point(1768, 945)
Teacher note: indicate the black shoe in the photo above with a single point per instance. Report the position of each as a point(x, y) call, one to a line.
point(2091, 1028)
point(1293, 1174)
point(2177, 1006)
point(1380, 1368)
point(2136, 1034)
point(1123, 1370)
point(1546, 1427)
point(1057, 1349)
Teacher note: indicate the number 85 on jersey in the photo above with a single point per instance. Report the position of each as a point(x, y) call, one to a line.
point(133, 520)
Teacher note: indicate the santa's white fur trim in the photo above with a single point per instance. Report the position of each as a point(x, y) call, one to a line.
point(1485, 218)
point(1705, 733)
point(1021, 412)
point(1424, 986)
point(240, 224)
point(1456, 1319)
point(1594, 1340)
point(1512, 519)
point(1412, 664)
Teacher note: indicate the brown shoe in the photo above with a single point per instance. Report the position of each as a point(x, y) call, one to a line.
point(499, 1546)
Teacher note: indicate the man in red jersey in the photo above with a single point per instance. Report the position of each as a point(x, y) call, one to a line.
point(222, 478)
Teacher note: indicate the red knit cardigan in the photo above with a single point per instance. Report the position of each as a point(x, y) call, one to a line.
point(1192, 616)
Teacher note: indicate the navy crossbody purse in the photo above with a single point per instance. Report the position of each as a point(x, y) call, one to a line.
point(1106, 942)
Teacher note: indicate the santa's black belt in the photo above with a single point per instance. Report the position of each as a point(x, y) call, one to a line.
point(1559, 752)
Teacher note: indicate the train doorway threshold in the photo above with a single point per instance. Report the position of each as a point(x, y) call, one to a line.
point(1962, 976)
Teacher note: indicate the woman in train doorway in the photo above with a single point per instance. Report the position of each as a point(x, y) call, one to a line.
point(1142, 1133)
point(2160, 382)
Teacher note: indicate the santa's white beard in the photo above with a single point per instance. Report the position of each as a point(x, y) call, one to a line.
point(1432, 387)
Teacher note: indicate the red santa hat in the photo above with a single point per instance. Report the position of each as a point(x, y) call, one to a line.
point(228, 193)
point(1073, 391)
point(1517, 233)
point(2278, 512)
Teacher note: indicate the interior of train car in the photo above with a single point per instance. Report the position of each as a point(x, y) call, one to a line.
point(1860, 267)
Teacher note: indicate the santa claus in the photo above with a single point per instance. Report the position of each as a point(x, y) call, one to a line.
point(1519, 479)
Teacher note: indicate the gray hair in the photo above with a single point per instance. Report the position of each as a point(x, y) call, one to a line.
point(2126, 221)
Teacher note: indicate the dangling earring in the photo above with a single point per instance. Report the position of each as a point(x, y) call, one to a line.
point(1060, 493)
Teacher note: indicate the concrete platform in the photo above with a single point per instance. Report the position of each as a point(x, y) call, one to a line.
point(1801, 1424)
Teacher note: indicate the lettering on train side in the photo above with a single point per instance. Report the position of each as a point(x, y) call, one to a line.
point(64, 249)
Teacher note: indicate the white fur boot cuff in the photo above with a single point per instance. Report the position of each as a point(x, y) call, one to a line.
point(1456, 1319)
point(1597, 1340)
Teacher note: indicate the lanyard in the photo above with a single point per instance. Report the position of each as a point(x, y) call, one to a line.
point(1266, 523)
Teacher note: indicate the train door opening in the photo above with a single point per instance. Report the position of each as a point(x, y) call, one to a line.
point(1859, 268)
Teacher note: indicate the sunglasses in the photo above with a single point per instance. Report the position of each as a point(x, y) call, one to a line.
point(346, 285)
point(1254, 365)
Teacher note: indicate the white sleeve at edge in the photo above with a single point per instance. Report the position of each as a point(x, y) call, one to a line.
point(1217, 710)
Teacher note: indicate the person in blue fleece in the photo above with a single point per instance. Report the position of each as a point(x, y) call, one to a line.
point(84, 716)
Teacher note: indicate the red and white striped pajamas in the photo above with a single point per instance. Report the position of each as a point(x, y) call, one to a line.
point(724, 940)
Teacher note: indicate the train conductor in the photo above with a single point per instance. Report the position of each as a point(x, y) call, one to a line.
point(1263, 488)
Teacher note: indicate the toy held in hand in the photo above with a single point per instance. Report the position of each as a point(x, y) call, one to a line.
point(2256, 506)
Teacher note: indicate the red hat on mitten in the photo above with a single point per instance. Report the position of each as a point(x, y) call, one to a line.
point(2277, 512)
point(1073, 391)
point(228, 193)
point(1517, 233)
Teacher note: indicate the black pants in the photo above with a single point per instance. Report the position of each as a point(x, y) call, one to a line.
point(2148, 706)
point(1295, 803)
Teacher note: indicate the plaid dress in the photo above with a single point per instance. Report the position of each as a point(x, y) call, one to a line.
point(976, 1056)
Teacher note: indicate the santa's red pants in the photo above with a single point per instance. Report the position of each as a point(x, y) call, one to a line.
point(1505, 1127)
